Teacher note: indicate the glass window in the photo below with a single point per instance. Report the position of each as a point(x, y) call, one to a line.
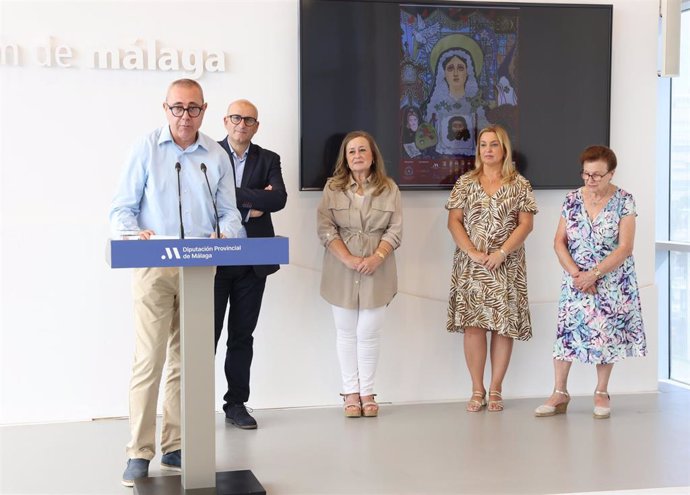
point(679, 302)
point(679, 220)
point(679, 214)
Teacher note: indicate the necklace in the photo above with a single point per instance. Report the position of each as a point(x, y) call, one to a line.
point(596, 201)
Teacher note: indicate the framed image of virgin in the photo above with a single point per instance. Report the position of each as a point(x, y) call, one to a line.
point(458, 74)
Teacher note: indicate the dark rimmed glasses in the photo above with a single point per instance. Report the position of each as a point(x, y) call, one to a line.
point(594, 177)
point(248, 121)
point(179, 110)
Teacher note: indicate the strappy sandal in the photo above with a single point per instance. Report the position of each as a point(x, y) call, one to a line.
point(370, 409)
point(545, 410)
point(602, 412)
point(475, 405)
point(351, 408)
point(495, 405)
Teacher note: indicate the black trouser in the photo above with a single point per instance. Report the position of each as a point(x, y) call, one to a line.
point(244, 290)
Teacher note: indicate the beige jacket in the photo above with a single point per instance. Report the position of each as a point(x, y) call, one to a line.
point(380, 218)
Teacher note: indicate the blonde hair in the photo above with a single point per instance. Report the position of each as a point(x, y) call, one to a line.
point(508, 171)
point(342, 176)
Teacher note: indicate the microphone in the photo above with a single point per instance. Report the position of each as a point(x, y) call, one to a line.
point(179, 198)
point(215, 209)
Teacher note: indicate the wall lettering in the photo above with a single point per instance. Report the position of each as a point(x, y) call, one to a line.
point(140, 55)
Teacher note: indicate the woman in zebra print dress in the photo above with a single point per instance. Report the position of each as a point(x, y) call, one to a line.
point(490, 213)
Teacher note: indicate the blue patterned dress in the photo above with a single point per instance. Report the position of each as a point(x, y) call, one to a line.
point(605, 327)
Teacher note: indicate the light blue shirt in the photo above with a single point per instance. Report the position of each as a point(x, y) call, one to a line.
point(147, 194)
point(239, 162)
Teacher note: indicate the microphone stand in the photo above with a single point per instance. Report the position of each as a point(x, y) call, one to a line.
point(213, 201)
point(179, 198)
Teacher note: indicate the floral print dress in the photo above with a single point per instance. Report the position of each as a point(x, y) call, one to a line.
point(605, 327)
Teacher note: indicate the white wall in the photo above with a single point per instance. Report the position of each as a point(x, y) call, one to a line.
point(66, 336)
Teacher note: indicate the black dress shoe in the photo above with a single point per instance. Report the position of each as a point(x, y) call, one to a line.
point(236, 414)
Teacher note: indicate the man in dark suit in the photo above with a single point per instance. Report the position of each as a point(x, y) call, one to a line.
point(260, 191)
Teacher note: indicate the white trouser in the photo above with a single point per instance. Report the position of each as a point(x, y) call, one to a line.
point(357, 343)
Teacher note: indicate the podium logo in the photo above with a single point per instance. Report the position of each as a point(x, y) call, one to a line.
point(171, 253)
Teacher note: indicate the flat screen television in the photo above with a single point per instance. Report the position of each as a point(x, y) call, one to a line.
point(423, 78)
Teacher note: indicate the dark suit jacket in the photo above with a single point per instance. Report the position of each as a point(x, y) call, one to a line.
point(261, 169)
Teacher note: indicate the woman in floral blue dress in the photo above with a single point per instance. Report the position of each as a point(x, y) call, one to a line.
point(599, 313)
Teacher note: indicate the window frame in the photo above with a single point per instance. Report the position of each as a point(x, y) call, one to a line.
point(664, 246)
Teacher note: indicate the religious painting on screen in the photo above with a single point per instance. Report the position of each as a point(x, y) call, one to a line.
point(458, 74)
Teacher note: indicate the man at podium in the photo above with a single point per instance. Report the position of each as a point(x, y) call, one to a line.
point(163, 192)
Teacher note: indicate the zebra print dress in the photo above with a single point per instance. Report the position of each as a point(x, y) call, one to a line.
point(495, 300)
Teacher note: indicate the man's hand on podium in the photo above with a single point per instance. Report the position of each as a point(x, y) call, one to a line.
point(146, 234)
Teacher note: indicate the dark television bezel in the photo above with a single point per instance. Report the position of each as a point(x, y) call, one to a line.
point(574, 182)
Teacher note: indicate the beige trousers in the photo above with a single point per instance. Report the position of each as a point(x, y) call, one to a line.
point(157, 326)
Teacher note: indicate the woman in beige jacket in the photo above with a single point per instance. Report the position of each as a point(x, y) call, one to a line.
point(360, 224)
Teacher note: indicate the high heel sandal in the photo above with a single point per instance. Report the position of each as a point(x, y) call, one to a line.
point(495, 405)
point(602, 412)
point(545, 410)
point(370, 409)
point(475, 405)
point(351, 409)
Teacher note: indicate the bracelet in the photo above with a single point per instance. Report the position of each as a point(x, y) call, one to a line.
point(380, 254)
point(597, 272)
point(505, 256)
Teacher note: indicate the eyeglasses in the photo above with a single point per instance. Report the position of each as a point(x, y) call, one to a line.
point(248, 121)
point(594, 177)
point(179, 110)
